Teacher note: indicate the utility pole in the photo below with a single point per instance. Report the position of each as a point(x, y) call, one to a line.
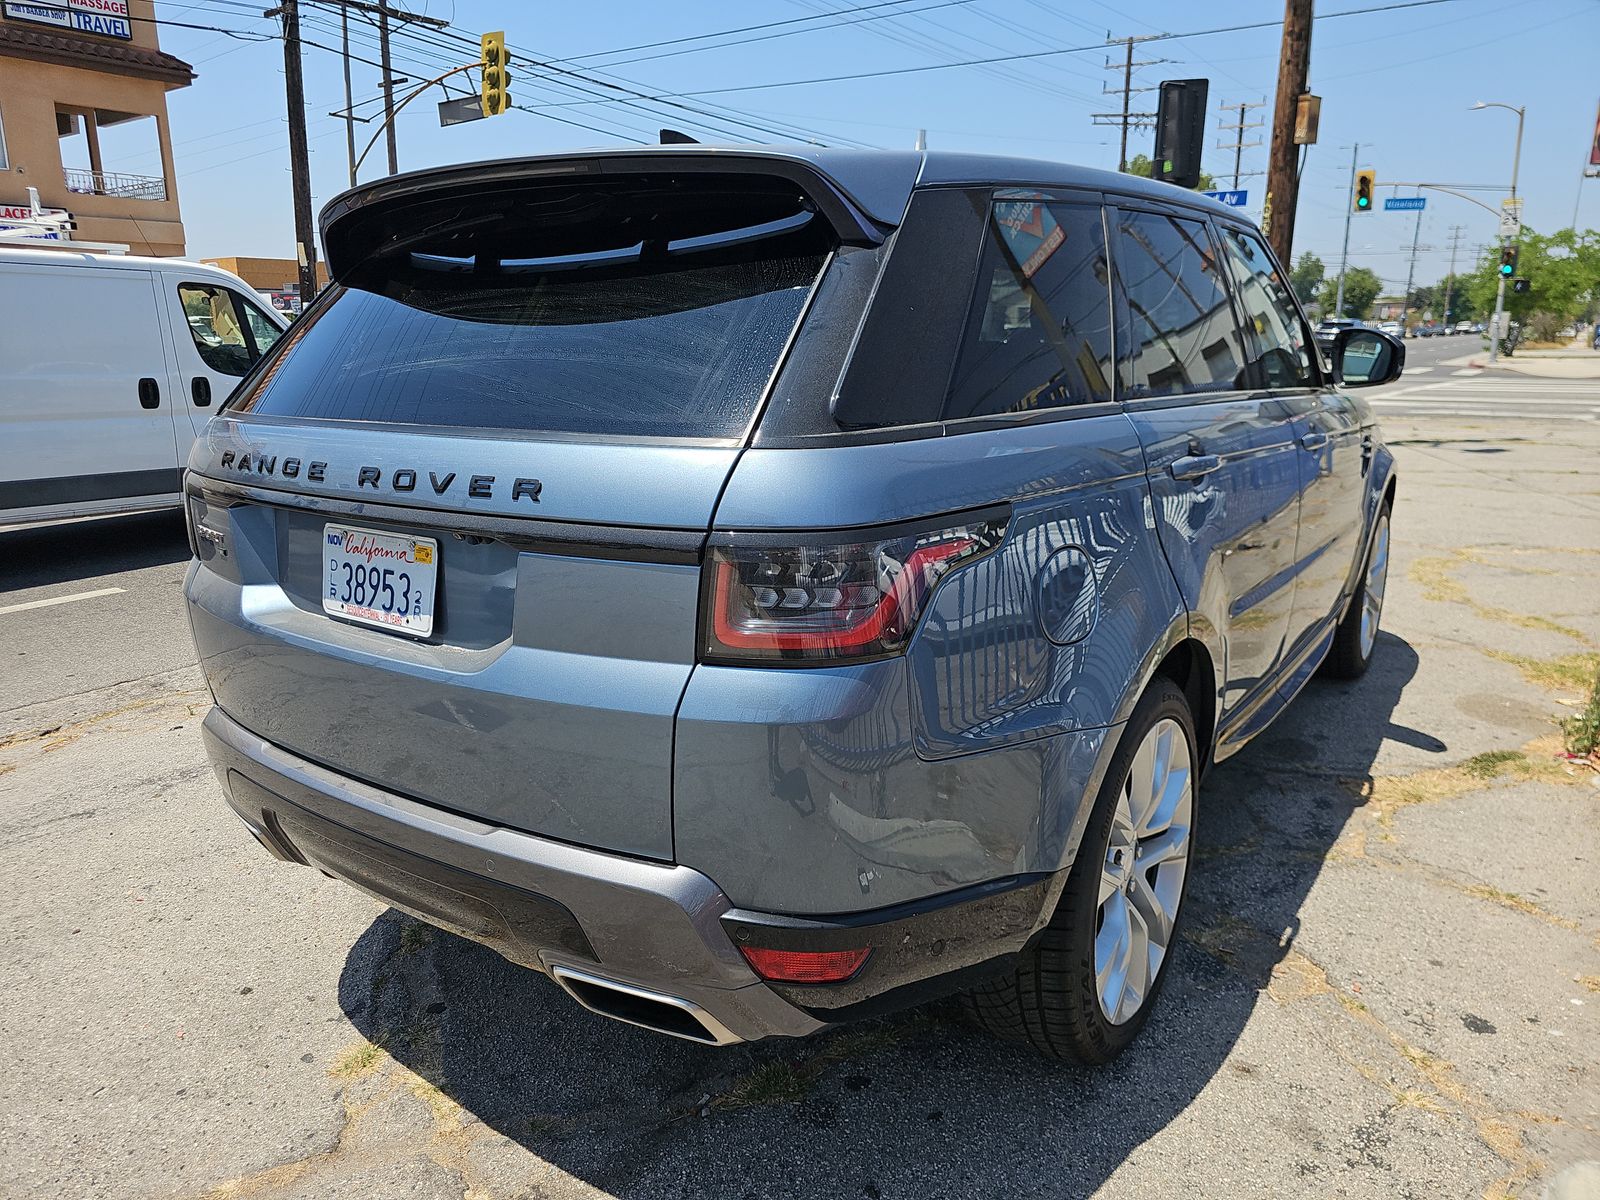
point(1411, 271)
point(349, 101)
point(1457, 232)
point(1126, 118)
point(1283, 175)
point(299, 160)
point(388, 86)
point(1344, 255)
point(382, 10)
point(1239, 145)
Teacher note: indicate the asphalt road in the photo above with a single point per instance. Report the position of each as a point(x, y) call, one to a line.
point(1436, 384)
point(88, 604)
point(1389, 984)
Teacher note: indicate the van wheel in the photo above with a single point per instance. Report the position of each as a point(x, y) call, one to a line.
point(1357, 636)
point(1086, 986)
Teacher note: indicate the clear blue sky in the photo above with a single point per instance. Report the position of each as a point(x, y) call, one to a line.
point(1398, 82)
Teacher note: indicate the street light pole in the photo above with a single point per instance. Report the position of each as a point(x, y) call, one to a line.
point(1500, 286)
point(1344, 255)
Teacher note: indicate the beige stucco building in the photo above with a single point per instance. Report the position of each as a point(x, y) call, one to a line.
point(83, 118)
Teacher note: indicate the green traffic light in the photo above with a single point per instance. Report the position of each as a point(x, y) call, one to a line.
point(1363, 202)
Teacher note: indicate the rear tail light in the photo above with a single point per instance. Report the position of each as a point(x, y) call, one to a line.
point(805, 966)
point(819, 599)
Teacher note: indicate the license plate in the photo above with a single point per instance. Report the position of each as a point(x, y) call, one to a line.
point(381, 579)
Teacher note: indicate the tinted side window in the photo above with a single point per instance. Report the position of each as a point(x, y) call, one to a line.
point(1038, 332)
point(1184, 336)
point(1280, 356)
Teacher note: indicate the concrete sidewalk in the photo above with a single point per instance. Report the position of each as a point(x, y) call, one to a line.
point(1572, 362)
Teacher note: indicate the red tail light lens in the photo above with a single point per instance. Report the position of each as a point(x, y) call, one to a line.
point(805, 966)
point(830, 601)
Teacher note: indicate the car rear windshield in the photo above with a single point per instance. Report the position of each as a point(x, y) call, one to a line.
point(660, 339)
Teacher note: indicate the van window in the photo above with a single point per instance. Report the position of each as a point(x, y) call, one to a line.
point(616, 343)
point(1038, 333)
point(1281, 354)
point(1184, 337)
point(229, 332)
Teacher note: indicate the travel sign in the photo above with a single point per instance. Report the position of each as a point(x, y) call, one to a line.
point(109, 18)
point(1405, 204)
point(1234, 198)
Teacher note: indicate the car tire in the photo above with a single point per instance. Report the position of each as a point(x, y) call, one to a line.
point(1056, 1000)
point(1357, 635)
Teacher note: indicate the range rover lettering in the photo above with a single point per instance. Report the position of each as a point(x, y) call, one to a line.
point(763, 588)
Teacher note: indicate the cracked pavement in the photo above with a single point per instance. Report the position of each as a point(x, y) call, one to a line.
point(1389, 983)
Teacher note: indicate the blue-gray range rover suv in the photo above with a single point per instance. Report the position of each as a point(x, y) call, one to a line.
point(762, 588)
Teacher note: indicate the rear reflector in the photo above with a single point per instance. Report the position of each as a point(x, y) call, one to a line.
point(805, 966)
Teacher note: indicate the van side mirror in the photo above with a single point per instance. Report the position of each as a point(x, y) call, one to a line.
point(1365, 357)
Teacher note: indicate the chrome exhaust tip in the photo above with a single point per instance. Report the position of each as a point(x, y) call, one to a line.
point(655, 1011)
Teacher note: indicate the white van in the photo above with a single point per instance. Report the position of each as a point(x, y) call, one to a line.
point(109, 367)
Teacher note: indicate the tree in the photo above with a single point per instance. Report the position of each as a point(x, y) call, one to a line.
point(1307, 276)
point(1361, 288)
point(1140, 165)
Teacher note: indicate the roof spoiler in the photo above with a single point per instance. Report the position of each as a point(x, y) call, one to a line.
point(856, 223)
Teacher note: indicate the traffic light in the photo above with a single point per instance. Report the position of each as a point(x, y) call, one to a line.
point(1365, 182)
point(496, 85)
point(1508, 261)
point(1519, 285)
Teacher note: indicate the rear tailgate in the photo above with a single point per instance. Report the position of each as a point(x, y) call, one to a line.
point(543, 697)
point(547, 393)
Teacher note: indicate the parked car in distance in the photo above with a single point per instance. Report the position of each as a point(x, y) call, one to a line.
point(764, 588)
point(1393, 328)
point(1329, 328)
point(110, 366)
point(1462, 327)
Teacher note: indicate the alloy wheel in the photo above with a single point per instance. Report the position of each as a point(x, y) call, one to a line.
point(1141, 880)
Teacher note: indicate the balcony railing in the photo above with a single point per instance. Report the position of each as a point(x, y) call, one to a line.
point(115, 183)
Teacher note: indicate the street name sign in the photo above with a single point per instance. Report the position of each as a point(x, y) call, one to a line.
point(1405, 204)
point(1234, 198)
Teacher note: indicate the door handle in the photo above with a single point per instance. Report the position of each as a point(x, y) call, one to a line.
point(1194, 466)
point(1314, 440)
point(200, 389)
point(149, 393)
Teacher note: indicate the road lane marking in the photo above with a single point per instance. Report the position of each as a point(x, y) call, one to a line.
point(54, 600)
point(1468, 371)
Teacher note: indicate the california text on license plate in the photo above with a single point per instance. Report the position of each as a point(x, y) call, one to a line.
point(382, 579)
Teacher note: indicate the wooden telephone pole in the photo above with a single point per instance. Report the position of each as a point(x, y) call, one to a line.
point(305, 236)
point(1283, 174)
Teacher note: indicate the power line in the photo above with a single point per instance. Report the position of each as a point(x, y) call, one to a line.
point(628, 96)
point(619, 62)
point(1035, 54)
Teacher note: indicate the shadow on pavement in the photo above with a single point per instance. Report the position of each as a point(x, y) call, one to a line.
point(65, 551)
point(916, 1105)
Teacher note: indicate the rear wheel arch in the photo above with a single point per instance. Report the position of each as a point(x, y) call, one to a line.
point(1189, 665)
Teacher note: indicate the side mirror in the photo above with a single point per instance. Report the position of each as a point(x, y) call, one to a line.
point(1365, 357)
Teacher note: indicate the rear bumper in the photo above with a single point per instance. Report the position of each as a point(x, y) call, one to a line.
point(633, 939)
